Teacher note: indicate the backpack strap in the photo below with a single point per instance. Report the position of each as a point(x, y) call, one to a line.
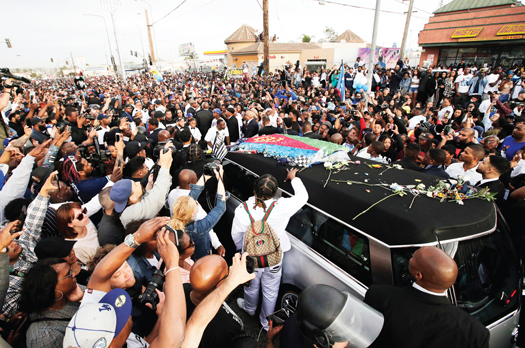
point(269, 211)
point(264, 218)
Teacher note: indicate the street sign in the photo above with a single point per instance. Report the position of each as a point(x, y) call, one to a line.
point(8, 42)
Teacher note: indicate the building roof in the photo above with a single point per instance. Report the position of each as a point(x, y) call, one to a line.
point(349, 36)
point(275, 47)
point(244, 34)
point(460, 5)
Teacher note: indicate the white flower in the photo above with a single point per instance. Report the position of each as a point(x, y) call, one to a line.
point(460, 202)
point(429, 194)
point(327, 165)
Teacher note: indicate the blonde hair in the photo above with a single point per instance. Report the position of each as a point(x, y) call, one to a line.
point(183, 209)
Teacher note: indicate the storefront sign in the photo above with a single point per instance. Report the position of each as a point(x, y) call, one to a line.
point(430, 58)
point(493, 38)
point(272, 57)
point(467, 32)
point(512, 29)
point(235, 72)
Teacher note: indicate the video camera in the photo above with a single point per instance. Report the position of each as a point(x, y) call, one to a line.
point(99, 160)
point(16, 81)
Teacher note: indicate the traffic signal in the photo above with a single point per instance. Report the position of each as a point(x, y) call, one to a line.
point(51, 60)
point(8, 42)
point(131, 52)
point(135, 53)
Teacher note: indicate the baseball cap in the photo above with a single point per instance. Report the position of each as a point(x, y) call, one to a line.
point(39, 176)
point(97, 324)
point(217, 111)
point(120, 193)
point(189, 114)
point(101, 117)
point(230, 109)
point(53, 247)
point(425, 136)
point(36, 120)
point(158, 114)
point(134, 147)
point(157, 102)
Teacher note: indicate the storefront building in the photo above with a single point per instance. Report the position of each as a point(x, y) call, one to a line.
point(488, 32)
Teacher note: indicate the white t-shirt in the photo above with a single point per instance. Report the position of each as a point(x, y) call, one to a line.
point(86, 247)
point(212, 132)
point(463, 80)
point(443, 111)
point(490, 79)
point(100, 134)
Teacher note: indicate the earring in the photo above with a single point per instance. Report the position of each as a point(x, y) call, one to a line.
point(61, 295)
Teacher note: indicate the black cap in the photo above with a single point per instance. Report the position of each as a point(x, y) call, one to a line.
point(53, 247)
point(158, 114)
point(36, 120)
point(134, 147)
point(39, 176)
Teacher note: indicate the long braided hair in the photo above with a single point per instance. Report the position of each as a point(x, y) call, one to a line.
point(70, 169)
point(265, 187)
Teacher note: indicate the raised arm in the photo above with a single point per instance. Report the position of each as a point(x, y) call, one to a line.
point(114, 260)
point(208, 308)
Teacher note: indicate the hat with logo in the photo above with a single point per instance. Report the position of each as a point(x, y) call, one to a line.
point(120, 193)
point(53, 247)
point(36, 120)
point(95, 325)
point(217, 111)
point(134, 147)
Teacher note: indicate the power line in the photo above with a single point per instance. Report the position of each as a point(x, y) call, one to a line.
point(401, 2)
point(169, 12)
point(185, 13)
point(258, 3)
point(364, 8)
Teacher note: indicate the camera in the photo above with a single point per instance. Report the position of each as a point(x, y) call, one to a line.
point(99, 160)
point(150, 295)
point(208, 168)
point(16, 81)
point(160, 147)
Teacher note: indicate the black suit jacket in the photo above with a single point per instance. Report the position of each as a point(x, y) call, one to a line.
point(267, 130)
point(437, 170)
point(495, 186)
point(416, 319)
point(204, 119)
point(251, 129)
point(233, 128)
point(313, 135)
point(408, 163)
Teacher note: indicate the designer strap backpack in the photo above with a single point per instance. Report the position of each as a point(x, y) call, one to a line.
point(261, 242)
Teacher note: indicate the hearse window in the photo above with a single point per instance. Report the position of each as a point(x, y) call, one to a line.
point(238, 181)
point(487, 285)
point(335, 241)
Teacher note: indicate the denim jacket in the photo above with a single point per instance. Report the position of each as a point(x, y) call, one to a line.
point(142, 270)
point(405, 84)
point(198, 230)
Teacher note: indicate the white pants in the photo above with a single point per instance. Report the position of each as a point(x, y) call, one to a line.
point(269, 278)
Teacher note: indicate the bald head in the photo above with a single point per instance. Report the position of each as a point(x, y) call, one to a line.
point(336, 138)
point(205, 275)
point(163, 135)
point(433, 269)
point(186, 178)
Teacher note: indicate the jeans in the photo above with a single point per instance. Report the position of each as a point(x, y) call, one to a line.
point(504, 97)
point(199, 230)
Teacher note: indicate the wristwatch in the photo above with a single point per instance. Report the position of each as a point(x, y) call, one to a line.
point(130, 241)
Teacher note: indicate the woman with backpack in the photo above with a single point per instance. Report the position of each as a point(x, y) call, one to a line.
point(258, 228)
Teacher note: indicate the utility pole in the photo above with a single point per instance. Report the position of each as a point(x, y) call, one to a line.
point(150, 39)
point(73, 62)
point(266, 62)
point(110, 6)
point(107, 34)
point(405, 33)
point(370, 74)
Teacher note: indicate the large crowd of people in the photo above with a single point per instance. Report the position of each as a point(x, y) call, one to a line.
point(101, 185)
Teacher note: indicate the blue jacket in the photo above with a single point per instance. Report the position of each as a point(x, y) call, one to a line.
point(198, 230)
point(473, 82)
point(282, 94)
point(405, 84)
point(437, 170)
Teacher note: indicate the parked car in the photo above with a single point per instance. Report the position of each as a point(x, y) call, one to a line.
point(329, 246)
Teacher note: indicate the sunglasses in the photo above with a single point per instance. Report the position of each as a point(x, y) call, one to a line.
point(192, 244)
point(80, 216)
point(69, 274)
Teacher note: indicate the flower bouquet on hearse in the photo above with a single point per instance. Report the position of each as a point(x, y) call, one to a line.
point(458, 191)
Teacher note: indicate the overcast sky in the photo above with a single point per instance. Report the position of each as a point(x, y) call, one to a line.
point(41, 30)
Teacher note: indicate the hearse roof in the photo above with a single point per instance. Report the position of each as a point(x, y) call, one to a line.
point(391, 221)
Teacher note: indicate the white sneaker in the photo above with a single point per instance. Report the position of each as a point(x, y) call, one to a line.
point(240, 303)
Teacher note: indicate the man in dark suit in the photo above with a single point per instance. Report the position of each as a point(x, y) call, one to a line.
point(433, 161)
point(307, 131)
point(232, 124)
point(422, 315)
point(287, 123)
point(411, 152)
point(491, 168)
point(204, 118)
point(252, 127)
point(267, 128)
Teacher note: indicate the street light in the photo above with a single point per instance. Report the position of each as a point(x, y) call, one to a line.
point(154, 32)
point(107, 33)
